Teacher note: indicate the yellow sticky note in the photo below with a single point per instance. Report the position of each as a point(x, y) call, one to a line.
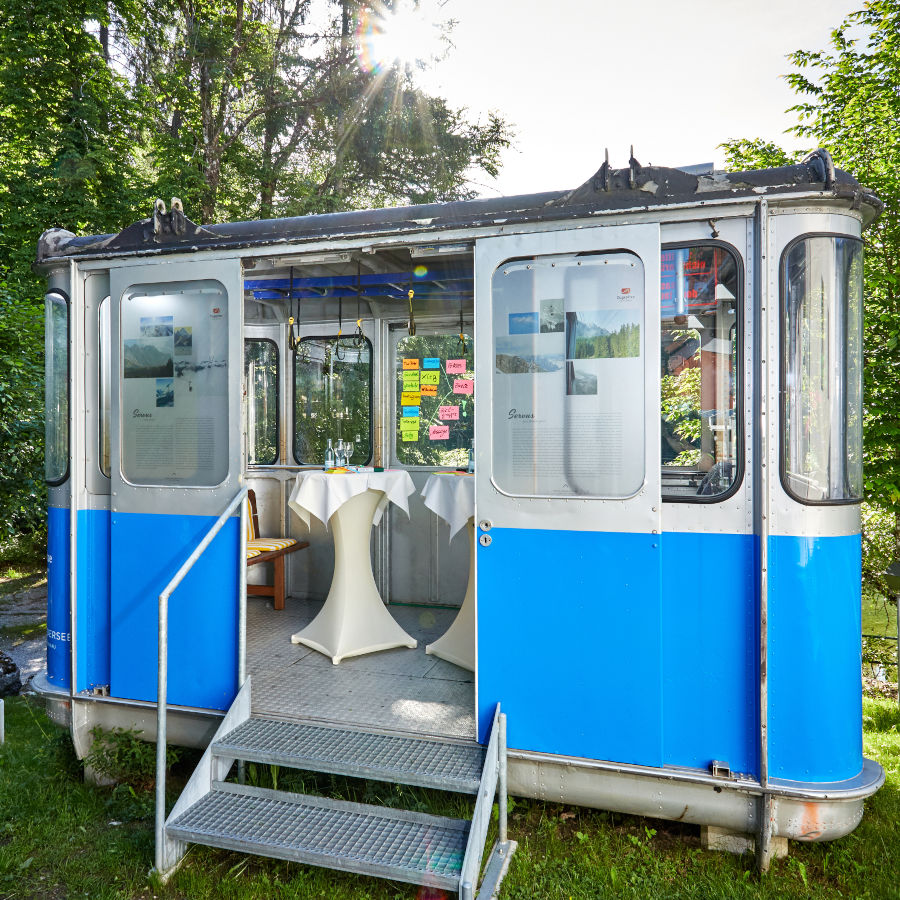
point(431, 378)
point(429, 390)
point(411, 381)
point(411, 435)
point(409, 398)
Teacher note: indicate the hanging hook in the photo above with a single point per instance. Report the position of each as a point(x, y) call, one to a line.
point(411, 327)
point(461, 344)
point(360, 338)
point(338, 352)
point(293, 339)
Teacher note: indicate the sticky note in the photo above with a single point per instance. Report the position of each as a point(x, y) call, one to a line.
point(438, 432)
point(410, 381)
point(463, 385)
point(410, 410)
point(410, 364)
point(410, 398)
point(448, 413)
point(430, 378)
point(429, 390)
point(409, 435)
point(431, 362)
point(456, 366)
point(409, 423)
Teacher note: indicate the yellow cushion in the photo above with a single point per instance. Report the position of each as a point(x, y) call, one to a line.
point(252, 552)
point(265, 545)
point(251, 535)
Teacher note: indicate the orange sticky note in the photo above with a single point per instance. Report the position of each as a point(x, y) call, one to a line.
point(428, 390)
point(410, 364)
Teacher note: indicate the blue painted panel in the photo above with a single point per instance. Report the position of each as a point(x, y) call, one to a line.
point(59, 636)
point(815, 702)
point(92, 609)
point(710, 628)
point(569, 642)
point(147, 550)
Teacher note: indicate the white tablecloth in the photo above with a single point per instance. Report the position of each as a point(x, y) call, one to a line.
point(320, 494)
point(452, 497)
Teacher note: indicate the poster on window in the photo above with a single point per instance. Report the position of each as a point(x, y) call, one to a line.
point(174, 383)
point(568, 376)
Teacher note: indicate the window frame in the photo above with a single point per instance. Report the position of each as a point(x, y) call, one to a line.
point(739, 376)
point(63, 295)
point(265, 340)
point(782, 375)
point(334, 337)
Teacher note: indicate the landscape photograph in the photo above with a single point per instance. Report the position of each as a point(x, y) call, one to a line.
point(552, 318)
point(165, 392)
point(603, 334)
point(148, 358)
point(157, 326)
point(579, 380)
point(184, 340)
point(519, 355)
point(523, 323)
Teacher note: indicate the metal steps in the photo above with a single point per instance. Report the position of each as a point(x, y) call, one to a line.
point(399, 844)
point(369, 840)
point(381, 757)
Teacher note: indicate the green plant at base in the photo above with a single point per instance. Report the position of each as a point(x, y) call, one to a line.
point(121, 755)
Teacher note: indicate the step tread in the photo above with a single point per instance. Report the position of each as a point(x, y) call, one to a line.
point(394, 758)
point(332, 833)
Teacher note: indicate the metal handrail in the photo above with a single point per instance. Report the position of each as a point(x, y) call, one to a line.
point(163, 662)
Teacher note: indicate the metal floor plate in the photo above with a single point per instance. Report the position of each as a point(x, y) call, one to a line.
point(397, 690)
point(397, 844)
point(400, 760)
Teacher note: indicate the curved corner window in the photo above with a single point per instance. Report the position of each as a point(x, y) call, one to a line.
point(699, 388)
point(332, 398)
point(821, 388)
point(56, 387)
point(261, 409)
point(105, 384)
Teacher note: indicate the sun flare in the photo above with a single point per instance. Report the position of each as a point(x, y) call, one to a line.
point(406, 33)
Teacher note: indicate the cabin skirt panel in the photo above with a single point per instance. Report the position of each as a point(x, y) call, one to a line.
point(92, 607)
point(815, 701)
point(59, 621)
point(710, 651)
point(147, 551)
point(569, 642)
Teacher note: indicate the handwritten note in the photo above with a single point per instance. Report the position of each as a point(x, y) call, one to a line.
point(408, 435)
point(409, 398)
point(410, 364)
point(410, 381)
point(410, 411)
point(448, 413)
point(438, 432)
point(456, 366)
point(463, 385)
point(431, 362)
point(409, 423)
point(429, 390)
point(431, 378)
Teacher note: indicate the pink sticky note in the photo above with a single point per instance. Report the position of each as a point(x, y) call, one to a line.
point(438, 432)
point(448, 413)
point(456, 366)
point(463, 385)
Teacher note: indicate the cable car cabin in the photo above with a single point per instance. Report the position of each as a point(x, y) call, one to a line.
point(660, 373)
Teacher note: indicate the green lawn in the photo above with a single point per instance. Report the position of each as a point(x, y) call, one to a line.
point(60, 838)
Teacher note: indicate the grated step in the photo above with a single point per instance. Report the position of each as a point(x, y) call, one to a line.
point(353, 837)
point(393, 758)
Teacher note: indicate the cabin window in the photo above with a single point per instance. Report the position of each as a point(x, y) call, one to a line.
point(261, 409)
point(568, 382)
point(822, 296)
point(699, 360)
point(434, 393)
point(56, 387)
point(174, 384)
point(332, 398)
point(105, 372)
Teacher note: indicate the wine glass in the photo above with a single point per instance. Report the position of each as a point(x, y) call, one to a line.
point(350, 449)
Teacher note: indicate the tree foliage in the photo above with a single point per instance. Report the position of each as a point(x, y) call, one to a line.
point(849, 103)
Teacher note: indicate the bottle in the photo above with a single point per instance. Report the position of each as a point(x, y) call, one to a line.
point(471, 468)
point(329, 456)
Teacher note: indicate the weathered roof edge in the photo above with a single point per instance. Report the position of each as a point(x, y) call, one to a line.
point(607, 190)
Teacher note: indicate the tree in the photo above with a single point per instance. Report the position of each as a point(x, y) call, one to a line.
point(850, 105)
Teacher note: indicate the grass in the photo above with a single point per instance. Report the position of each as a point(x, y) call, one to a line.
point(60, 838)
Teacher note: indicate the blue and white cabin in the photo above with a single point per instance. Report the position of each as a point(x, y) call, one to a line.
point(666, 417)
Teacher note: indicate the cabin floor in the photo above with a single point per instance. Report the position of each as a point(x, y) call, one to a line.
point(397, 690)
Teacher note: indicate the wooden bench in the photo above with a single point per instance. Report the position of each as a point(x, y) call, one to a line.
point(263, 550)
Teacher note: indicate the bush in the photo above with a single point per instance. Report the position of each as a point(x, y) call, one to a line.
point(123, 756)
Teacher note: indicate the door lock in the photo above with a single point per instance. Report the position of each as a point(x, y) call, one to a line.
point(485, 540)
point(485, 525)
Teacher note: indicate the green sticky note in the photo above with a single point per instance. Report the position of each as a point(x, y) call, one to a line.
point(431, 378)
point(411, 381)
point(408, 423)
point(411, 435)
